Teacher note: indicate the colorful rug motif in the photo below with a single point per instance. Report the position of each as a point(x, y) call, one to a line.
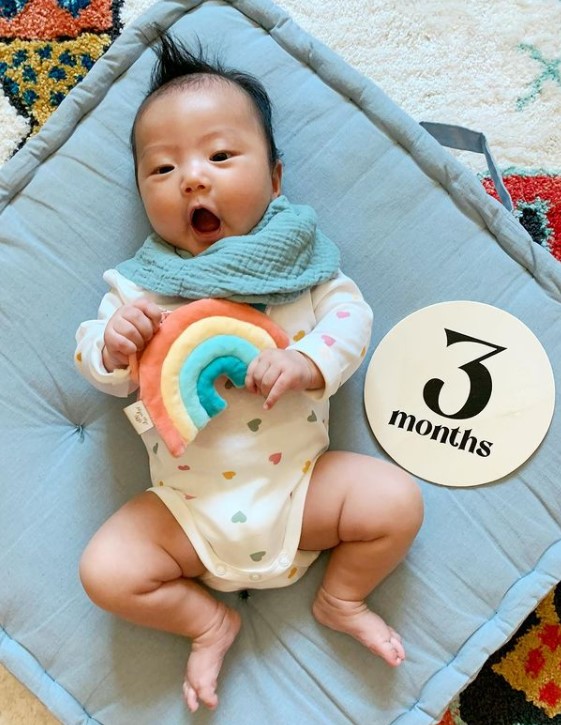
point(521, 683)
point(537, 200)
point(48, 46)
point(50, 19)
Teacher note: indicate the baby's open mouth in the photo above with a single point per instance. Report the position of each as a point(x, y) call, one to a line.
point(204, 221)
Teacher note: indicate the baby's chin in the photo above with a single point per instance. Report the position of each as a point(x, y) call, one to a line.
point(192, 246)
point(197, 242)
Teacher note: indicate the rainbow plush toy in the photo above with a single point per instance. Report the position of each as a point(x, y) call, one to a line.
point(196, 344)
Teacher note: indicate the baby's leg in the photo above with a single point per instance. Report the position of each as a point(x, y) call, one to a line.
point(369, 512)
point(139, 566)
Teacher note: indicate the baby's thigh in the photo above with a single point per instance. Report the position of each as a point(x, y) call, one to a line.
point(138, 545)
point(352, 497)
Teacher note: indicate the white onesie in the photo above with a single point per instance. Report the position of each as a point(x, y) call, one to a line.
point(239, 490)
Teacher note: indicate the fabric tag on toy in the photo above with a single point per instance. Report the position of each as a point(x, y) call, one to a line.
point(139, 417)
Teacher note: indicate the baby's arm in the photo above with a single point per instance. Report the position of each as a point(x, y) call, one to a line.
point(327, 355)
point(108, 371)
point(340, 338)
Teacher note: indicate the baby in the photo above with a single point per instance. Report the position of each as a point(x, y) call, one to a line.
point(256, 496)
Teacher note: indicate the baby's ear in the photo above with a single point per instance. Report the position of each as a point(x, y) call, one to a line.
point(277, 179)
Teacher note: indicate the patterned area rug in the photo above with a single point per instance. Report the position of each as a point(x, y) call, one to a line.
point(537, 200)
point(521, 683)
point(48, 46)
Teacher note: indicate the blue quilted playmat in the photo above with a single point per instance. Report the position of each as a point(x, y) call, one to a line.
point(415, 228)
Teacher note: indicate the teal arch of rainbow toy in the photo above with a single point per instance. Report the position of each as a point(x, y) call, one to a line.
point(196, 344)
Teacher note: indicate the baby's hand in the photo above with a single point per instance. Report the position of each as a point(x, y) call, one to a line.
point(128, 331)
point(274, 372)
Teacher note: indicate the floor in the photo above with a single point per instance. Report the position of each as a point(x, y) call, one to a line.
point(18, 706)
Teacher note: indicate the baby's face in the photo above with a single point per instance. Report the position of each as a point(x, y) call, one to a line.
point(203, 169)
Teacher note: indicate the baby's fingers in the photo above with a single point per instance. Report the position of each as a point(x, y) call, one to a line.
point(279, 387)
point(261, 374)
point(117, 350)
point(151, 311)
point(136, 326)
point(122, 344)
point(250, 382)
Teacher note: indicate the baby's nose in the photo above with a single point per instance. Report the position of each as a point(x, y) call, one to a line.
point(194, 179)
point(190, 186)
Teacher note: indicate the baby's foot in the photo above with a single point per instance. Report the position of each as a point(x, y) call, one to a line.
point(356, 619)
point(207, 654)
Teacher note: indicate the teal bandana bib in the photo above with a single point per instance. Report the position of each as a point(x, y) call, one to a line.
point(281, 257)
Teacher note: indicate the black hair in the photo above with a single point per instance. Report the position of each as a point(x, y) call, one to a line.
point(177, 67)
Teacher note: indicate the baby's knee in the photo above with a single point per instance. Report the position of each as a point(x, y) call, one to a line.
point(384, 501)
point(408, 501)
point(99, 576)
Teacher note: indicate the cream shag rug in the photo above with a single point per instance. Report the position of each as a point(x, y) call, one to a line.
point(492, 66)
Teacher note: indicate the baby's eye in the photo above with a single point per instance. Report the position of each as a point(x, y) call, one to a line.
point(221, 156)
point(164, 169)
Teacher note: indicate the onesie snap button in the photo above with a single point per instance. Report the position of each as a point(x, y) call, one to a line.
point(255, 577)
point(221, 570)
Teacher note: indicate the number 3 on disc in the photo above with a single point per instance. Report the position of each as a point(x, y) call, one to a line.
point(460, 393)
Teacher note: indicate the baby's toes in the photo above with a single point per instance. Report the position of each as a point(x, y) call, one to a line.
point(207, 695)
point(190, 697)
point(397, 647)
